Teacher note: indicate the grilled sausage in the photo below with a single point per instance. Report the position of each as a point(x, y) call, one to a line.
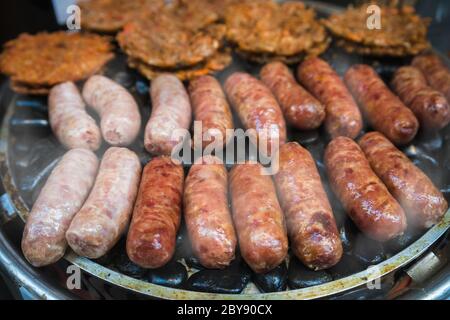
point(63, 194)
point(300, 108)
point(171, 110)
point(120, 118)
point(365, 198)
point(429, 105)
point(310, 222)
point(207, 215)
point(343, 117)
point(210, 106)
point(70, 122)
point(435, 71)
point(423, 203)
point(105, 215)
point(384, 110)
point(257, 109)
point(157, 213)
point(258, 218)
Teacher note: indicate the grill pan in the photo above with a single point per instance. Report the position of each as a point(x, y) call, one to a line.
point(29, 151)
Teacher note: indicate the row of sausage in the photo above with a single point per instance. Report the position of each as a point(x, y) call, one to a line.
point(260, 104)
point(379, 187)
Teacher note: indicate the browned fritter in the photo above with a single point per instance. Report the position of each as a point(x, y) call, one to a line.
point(112, 15)
point(217, 62)
point(45, 59)
point(181, 35)
point(23, 88)
point(402, 31)
point(267, 27)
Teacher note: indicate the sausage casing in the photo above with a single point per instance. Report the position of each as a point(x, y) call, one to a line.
point(63, 194)
point(343, 117)
point(207, 215)
point(69, 121)
point(300, 108)
point(104, 217)
point(171, 110)
point(309, 218)
point(157, 213)
point(120, 118)
point(435, 71)
point(258, 218)
point(429, 105)
point(210, 106)
point(384, 110)
point(365, 198)
point(257, 109)
point(423, 203)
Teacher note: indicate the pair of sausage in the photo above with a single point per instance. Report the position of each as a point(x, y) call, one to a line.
point(343, 117)
point(299, 107)
point(435, 71)
point(258, 110)
point(384, 110)
point(429, 105)
point(75, 128)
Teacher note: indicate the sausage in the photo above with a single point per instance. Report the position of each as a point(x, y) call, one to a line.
point(384, 110)
point(157, 213)
point(423, 203)
point(257, 109)
point(299, 107)
point(258, 218)
point(120, 118)
point(365, 198)
point(309, 218)
point(63, 194)
point(343, 117)
point(207, 215)
point(171, 110)
point(70, 122)
point(435, 71)
point(210, 106)
point(429, 105)
point(105, 215)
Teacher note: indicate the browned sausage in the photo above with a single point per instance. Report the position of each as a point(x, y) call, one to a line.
point(258, 109)
point(300, 108)
point(435, 71)
point(423, 203)
point(210, 106)
point(105, 215)
point(365, 198)
point(384, 110)
point(258, 218)
point(156, 217)
point(63, 194)
point(343, 117)
point(207, 214)
point(310, 222)
point(429, 105)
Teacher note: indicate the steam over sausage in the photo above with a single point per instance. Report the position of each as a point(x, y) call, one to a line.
point(365, 198)
point(60, 199)
point(258, 217)
point(105, 215)
point(435, 71)
point(343, 117)
point(119, 113)
point(423, 203)
point(210, 106)
point(381, 107)
point(70, 122)
point(310, 222)
point(429, 105)
point(207, 215)
point(156, 216)
point(171, 111)
point(300, 108)
point(258, 109)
